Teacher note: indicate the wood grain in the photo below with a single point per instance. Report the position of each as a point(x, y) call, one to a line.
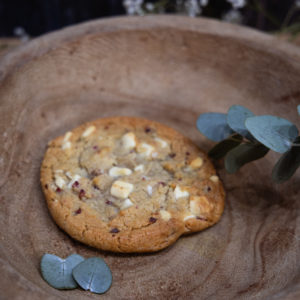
point(169, 69)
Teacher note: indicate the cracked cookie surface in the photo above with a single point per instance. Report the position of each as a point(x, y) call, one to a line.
point(126, 184)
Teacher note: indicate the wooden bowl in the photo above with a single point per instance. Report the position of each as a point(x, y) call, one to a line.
point(170, 69)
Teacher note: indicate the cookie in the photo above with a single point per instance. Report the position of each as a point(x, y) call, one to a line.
point(126, 184)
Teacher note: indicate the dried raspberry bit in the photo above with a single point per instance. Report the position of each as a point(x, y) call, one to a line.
point(172, 155)
point(108, 202)
point(147, 129)
point(162, 183)
point(201, 218)
point(78, 211)
point(179, 179)
point(115, 230)
point(152, 220)
point(81, 194)
point(207, 189)
point(143, 178)
point(187, 153)
point(75, 184)
point(106, 127)
point(95, 147)
point(46, 186)
point(58, 190)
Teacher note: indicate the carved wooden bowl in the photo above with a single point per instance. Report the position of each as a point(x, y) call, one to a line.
point(170, 69)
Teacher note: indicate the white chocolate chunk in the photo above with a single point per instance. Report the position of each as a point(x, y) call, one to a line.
point(154, 154)
point(145, 149)
point(88, 131)
point(214, 178)
point(199, 205)
point(58, 171)
point(116, 172)
point(165, 215)
point(121, 189)
point(139, 168)
point(69, 175)
point(73, 179)
point(126, 204)
point(196, 163)
point(128, 141)
point(189, 217)
point(161, 142)
point(66, 145)
point(149, 190)
point(59, 181)
point(179, 193)
point(67, 136)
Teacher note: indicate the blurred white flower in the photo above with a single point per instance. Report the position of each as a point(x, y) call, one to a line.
point(192, 8)
point(133, 7)
point(237, 3)
point(233, 16)
point(21, 33)
point(297, 3)
point(203, 2)
point(149, 6)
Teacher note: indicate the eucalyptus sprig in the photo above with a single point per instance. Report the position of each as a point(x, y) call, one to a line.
point(243, 137)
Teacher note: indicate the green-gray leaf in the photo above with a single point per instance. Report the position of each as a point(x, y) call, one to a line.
point(58, 272)
point(236, 117)
point(214, 126)
point(274, 132)
point(220, 149)
point(243, 154)
point(288, 163)
point(93, 274)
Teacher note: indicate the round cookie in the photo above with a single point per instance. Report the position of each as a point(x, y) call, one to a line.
point(127, 184)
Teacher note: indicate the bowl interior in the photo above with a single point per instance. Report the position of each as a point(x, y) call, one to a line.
point(170, 75)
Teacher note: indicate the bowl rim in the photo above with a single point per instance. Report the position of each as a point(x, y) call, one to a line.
point(50, 41)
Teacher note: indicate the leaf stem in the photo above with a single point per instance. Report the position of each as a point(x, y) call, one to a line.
point(288, 16)
point(258, 7)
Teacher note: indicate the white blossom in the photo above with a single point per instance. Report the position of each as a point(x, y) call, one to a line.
point(297, 3)
point(21, 33)
point(192, 7)
point(233, 16)
point(203, 2)
point(133, 7)
point(149, 6)
point(237, 3)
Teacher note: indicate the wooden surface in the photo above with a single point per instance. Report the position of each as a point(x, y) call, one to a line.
point(169, 69)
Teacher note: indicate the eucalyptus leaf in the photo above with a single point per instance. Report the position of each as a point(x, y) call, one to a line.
point(274, 132)
point(243, 154)
point(221, 149)
point(93, 274)
point(58, 272)
point(236, 117)
point(298, 108)
point(288, 163)
point(214, 126)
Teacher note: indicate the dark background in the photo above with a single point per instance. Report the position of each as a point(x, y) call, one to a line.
point(41, 16)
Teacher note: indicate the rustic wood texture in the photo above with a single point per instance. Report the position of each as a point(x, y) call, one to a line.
point(169, 69)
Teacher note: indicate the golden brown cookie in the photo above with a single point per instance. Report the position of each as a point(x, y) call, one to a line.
point(129, 185)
